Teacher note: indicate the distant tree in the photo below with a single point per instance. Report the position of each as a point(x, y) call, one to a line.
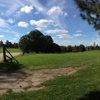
point(97, 47)
point(90, 11)
point(69, 48)
point(89, 48)
point(82, 48)
point(15, 45)
point(1, 43)
point(63, 49)
point(75, 49)
point(8, 44)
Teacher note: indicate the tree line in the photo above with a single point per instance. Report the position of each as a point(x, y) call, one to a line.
point(80, 48)
point(9, 44)
point(35, 41)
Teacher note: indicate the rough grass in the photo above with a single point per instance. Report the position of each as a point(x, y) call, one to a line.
point(84, 85)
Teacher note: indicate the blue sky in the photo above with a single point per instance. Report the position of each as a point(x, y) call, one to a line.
point(58, 18)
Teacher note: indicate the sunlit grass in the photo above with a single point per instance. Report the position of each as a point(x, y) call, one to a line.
point(39, 61)
point(11, 50)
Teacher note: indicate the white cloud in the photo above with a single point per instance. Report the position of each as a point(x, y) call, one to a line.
point(1, 36)
point(56, 31)
point(23, 24)
point(3, 23)
point(64, 36)
point(65, 14)
point(78, 31)
point(41, 22)
point(77, 35)
point(26, 9)
point(55, 10)
point(10, 21)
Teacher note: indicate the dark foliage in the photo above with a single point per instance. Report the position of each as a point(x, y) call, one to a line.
point(35, 41)
point(90, 11)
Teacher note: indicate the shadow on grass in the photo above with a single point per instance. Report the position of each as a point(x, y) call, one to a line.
point(93, 95)
point(10, 66)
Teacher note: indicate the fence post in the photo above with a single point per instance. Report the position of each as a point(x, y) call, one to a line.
point(4, 53)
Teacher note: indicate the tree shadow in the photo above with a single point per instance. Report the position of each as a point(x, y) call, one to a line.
point(11, 72)
point(93, 95)
point(10, 66)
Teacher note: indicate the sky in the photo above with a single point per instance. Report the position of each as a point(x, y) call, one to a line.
point(58, 18)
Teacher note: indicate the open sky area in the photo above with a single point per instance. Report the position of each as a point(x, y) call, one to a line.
point(58, 18)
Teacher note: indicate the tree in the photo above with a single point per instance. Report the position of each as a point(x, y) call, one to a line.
point(24, 43)
point(48, 42)
point(1, 43)
point(35, 41)
point(8, 44)
point(82, 48)
point(69, 48)
point(75, 49)
point(63, 49)
point(90, 11)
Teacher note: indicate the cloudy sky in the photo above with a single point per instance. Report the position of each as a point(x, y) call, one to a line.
point(58, 18)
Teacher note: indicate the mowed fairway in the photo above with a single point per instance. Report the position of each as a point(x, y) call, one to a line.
point(41, 61)
point(83, 85)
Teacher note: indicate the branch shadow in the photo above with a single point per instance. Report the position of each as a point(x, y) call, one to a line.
point(93, 95)
point(11, 72)
point(10, 66)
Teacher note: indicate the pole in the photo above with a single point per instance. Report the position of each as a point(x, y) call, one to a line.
point(4, 53)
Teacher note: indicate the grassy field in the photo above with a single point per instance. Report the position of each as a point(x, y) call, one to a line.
point(39, 61)
point(83, 85)
point(11, 50)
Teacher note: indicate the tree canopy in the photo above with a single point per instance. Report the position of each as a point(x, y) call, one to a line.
point(35, 41)
point(90, 11)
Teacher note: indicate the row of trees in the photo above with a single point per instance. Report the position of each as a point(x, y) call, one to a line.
point(35, 41)
point(75, 48)
point(9, 44)
point(80, 48)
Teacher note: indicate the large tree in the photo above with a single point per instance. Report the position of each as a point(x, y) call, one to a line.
point(35, 41)
point(90, 11)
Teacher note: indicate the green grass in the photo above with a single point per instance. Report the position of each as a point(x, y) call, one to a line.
point(11, 50)
point(40, 61)
point(84, 85)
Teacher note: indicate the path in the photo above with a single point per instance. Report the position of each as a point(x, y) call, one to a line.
point(14, 54)
point(24, 80)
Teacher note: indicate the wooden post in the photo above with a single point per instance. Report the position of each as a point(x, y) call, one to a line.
point(4, 53)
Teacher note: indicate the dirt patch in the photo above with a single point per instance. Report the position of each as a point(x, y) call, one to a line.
point(25, 80)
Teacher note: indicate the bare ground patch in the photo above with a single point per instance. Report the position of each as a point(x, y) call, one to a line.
point(25, 80)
